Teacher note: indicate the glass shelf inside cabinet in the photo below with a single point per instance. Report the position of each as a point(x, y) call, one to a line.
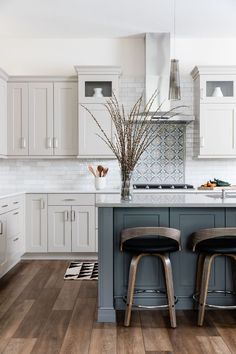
point(98, 89)
point(220, 89)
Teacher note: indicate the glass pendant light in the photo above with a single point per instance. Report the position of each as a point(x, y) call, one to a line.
point(174, 85)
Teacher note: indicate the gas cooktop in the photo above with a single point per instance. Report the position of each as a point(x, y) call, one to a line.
point(162, 186)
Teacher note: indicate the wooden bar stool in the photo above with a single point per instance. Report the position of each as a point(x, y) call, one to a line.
point(210, 243)
point(146, 241)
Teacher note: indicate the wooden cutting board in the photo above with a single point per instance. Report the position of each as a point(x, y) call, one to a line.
point(233, 187)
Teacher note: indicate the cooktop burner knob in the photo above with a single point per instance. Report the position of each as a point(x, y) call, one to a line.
point(172, 187)
point(147, 186)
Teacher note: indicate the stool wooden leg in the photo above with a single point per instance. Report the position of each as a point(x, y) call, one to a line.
point(169, 288)
point(206, 271)
point(199, 270)
point(130, 293)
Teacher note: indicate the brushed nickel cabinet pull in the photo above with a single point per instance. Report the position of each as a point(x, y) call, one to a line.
point(69, 200)
point(15, 239)
point(23, 143)
point(1, 228)
point(16, 213)
point(72, 215)
point(66, 215)
point(49, 143)
point(5, 205)
point(42, 203)
point(15, 202)
point(55, 142)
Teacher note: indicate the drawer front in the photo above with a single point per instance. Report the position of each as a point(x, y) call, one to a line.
point(10, 203)
point(71, 199)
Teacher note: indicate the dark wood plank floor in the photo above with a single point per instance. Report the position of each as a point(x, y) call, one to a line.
point(41, 313)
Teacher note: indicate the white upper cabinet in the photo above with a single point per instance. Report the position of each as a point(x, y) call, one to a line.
point(41, 118)
point(3, 115)
point(18, 119)
point(96, 84)
point(215, 111)
point(65, 140)
point(90, 144)
point(218, 130)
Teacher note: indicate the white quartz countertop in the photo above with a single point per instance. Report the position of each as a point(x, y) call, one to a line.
point(170, 199)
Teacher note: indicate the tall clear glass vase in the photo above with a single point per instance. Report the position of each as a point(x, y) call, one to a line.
point(126, 186)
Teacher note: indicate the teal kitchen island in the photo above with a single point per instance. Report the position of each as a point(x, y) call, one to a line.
point(187, 212)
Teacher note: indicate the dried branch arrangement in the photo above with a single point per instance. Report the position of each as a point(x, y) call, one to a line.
point(134, 130)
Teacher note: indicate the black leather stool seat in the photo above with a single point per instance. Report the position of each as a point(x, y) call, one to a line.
point(150, 244)
point(224, 245)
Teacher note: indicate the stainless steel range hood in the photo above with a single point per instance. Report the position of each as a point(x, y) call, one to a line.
point(157, 75)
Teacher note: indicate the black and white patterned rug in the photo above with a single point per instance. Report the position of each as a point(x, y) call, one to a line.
point(82, 271)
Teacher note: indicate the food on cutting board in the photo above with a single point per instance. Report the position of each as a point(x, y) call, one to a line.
point(216, 183)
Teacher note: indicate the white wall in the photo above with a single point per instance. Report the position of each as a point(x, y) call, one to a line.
point(58, 56)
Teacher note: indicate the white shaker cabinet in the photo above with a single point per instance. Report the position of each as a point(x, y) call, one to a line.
point(65, 140)
point(36, 223)
point(215, 109)
point(41, 118)
point(18, 119)
point(96, 84)
point(83, 229)
point(3, 116)
point(59, 229)
point(90, 144)
point(218, 130)
point(3, 244)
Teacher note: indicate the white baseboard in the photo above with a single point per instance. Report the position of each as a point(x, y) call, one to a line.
point(60, 256)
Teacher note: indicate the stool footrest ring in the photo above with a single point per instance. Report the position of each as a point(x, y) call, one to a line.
point(226, 292)
point(149, 291)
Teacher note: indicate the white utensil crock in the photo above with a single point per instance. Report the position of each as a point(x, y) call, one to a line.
point(100, 182)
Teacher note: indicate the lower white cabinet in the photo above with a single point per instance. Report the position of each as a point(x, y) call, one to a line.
point(36, 223)
point(3, 244)
point(71, 229)
point(59, 229)
point(83, 229)
point(11, 234)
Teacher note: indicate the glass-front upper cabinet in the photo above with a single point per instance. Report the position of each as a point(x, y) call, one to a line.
point(216, 84)
point(97, 84)
point(218, 88)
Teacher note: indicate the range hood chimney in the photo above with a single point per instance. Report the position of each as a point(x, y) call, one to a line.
point(157, 75)
point(157, 65)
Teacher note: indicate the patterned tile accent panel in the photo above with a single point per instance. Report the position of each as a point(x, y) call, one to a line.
point(163, 161)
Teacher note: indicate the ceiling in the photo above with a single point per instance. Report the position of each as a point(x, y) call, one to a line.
point(109, 18)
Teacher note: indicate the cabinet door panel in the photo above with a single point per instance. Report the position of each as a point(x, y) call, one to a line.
point(217, 129)
point(59, 229)
point(65, 119)
point(36, 223)
point(83, 229)
point(3, 244)
point(17, 129)
point(41, 119)
point(90, 144)
point(189, 220)
point(3, 117)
